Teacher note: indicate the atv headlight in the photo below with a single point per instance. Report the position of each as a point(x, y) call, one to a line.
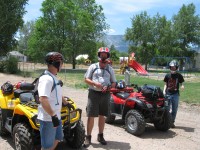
point(73, 114)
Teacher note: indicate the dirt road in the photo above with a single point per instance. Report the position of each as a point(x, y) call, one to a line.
point(186, 135)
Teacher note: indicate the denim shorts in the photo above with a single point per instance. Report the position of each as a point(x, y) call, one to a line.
point(49, 134)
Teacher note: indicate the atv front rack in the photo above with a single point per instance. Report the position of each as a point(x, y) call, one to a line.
point(126, 89)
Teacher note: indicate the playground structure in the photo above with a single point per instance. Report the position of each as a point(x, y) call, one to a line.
point(127, 62)
point(184, 62)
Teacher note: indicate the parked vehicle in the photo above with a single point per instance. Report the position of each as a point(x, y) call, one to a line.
point(18, 117)
point(145, 105)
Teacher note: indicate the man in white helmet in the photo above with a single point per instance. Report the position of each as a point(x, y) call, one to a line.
point(171, 88)
point(99, 77)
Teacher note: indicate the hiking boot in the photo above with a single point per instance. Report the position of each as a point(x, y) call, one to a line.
point(87, 141)
point(101, 140)
point(172, 125)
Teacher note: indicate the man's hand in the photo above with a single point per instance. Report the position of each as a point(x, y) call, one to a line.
point(55, 120)
point(182, 87)
point(97, 85)
point(164, 93)
point(104, 89)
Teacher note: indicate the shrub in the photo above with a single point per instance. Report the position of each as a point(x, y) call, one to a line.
point(2, 66)
point(12, 65)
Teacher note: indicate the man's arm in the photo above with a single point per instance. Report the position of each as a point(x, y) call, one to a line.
point(92, 83)
point(164, 89)
point(113, 85)
point(45, 104)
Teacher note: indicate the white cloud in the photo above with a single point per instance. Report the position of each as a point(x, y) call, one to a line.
point(110, 31)
point(119, 12)
point(127, 6)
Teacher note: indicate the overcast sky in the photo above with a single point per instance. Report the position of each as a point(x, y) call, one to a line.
point(118, 13)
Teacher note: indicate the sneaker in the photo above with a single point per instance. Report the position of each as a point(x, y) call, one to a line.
point(172, 125)
point(101, 140)
point(87, 141)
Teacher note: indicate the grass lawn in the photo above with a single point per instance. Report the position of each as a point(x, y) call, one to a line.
point(75, 79)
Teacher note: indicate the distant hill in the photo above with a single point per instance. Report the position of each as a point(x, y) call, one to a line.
point(122, 46)
point(118, 41)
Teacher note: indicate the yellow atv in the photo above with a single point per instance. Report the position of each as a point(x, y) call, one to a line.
point(18, 116)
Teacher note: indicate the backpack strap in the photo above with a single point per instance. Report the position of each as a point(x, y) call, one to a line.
point(36, 82)
point(106, 68)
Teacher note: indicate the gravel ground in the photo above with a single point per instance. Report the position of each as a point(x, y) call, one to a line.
point(185, 136)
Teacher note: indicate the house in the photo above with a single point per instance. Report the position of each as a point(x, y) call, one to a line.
point(18, 55)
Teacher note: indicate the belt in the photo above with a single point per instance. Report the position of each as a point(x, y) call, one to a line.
point(95, 91)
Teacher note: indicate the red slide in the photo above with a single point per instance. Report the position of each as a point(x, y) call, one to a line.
point(137, 67)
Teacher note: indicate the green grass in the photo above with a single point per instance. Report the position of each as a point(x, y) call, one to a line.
point(75, 79)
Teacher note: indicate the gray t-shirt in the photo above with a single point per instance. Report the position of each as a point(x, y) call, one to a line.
point(104, 76)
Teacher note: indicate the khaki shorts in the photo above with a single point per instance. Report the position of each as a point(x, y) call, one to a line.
point(98, 103)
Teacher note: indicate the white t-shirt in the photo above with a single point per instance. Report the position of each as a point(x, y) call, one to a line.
point(45, 85)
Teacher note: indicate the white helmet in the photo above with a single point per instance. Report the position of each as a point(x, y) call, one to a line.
point(103, 50)
point(173, 63)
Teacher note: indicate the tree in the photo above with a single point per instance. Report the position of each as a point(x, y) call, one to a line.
point(114, 54)
point(70, 27)
point(186, 26)
point(163, 36)
point(11, 19)
point(24, 35)
point(142, 38)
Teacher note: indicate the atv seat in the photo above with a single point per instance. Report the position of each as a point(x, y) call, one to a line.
point(123, 95)
point(26, 97)
point(18, 92)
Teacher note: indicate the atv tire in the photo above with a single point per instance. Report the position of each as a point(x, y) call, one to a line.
point(3, 131)
point(22, 137)
point(134, 122)
point(165, 123)
point(77, 136)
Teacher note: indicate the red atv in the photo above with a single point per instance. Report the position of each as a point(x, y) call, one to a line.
point(136, 108)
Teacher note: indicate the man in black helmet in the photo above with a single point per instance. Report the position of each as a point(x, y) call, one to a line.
point(50, 102)
point(171, 88)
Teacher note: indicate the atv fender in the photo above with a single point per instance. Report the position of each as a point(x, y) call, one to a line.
point(29, 115)
point(133, 103)
point(138, 103)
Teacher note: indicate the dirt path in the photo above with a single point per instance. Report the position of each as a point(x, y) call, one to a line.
point(185, 136)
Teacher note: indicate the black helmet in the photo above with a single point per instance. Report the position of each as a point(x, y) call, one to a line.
point(173, 63)
point(7, 88)
point(54, 58)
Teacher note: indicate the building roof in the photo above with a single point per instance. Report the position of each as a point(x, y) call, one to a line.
point(16, 53)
